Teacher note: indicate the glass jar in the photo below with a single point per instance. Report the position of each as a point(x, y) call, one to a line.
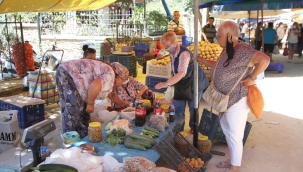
point(94, 132)
point(204, 145)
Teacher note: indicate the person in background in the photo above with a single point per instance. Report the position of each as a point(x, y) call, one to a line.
point(210, 30)
point(234, 60)
point(176, 25)
point(125, 94)
point(244, 30)
point(300, 41)
point(292, 38)
point(89, 52)
point(182, 68)
point(270, 40)
point(281, 34)
point(258, 36)
point(80, 82)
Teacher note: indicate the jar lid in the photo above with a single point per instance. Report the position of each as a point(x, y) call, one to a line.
point(95, 124)
point(184, 134)
point(145, 101)
point(160, 97)
point(203, 138)
point(164, 106)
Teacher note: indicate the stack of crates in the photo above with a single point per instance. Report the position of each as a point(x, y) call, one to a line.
point(128, 61)
point(30, 110)
point(44, 88)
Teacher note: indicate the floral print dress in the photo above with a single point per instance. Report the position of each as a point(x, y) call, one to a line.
point(73, 79)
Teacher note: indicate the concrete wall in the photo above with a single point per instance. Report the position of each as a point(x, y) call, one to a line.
point(71, 45)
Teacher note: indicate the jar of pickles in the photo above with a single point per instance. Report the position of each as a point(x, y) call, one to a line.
point(94, 132)
point(204, 145)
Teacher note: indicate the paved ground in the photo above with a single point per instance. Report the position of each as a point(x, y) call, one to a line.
point(275, 141)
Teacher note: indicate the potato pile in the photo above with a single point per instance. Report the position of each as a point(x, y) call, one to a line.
point(208, 51)
point(161, 62)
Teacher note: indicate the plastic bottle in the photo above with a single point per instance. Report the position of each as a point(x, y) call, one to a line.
point(136, 102)
point(157, 108)
point(140, 114)
point(172, 113)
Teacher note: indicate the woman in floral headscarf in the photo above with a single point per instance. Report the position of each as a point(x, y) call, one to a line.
point(80, 83)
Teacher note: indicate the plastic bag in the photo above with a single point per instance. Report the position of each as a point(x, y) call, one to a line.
point(158, 122)
point(255, 100)
point(135, 164)
point(163, 169)
point(276, 50)
point(70, 137)
point(107, 116)
point(111, 164)
point(169, 95)
point(128, 113)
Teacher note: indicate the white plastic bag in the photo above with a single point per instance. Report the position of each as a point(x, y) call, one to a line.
point(111, 164)
point(9, 129)
point(276, 50)
point(169, 94)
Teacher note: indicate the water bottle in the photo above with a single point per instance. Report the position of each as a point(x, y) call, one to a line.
point(172, 113)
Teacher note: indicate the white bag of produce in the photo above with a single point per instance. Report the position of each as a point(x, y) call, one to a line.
point(9, 130)
point(111, 164)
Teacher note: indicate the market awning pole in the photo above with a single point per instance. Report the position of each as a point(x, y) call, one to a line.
point(39, 29)
point(196, 110)
point(262, 8)
point(249, 29)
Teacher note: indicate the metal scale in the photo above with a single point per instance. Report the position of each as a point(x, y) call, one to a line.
point(19, 159)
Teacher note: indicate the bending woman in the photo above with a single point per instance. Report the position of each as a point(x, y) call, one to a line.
point(80, 83)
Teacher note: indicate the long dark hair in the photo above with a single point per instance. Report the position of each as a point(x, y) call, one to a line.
point(230, 51)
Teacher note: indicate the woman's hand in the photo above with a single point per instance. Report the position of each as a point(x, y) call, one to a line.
point(90, 108)
point(160, 85)
point(248, 81)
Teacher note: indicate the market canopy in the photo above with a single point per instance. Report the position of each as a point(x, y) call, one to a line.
point(268, 5)
point(210, 3)
point(10, 6)
point(246, 14)
point(249, 5)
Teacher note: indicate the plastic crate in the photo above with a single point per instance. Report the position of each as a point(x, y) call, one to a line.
point(158, 71)
point(186, 40)
point(141, 49)
point(166, 148)
point(141, 52)
point(27, 115)
point(275, 67)
point(128, 61)
point(210, 126)
point(142, 46)
point(151, 82)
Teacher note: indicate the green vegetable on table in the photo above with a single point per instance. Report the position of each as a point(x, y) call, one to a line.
point(116, 136)
point(107, 127)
